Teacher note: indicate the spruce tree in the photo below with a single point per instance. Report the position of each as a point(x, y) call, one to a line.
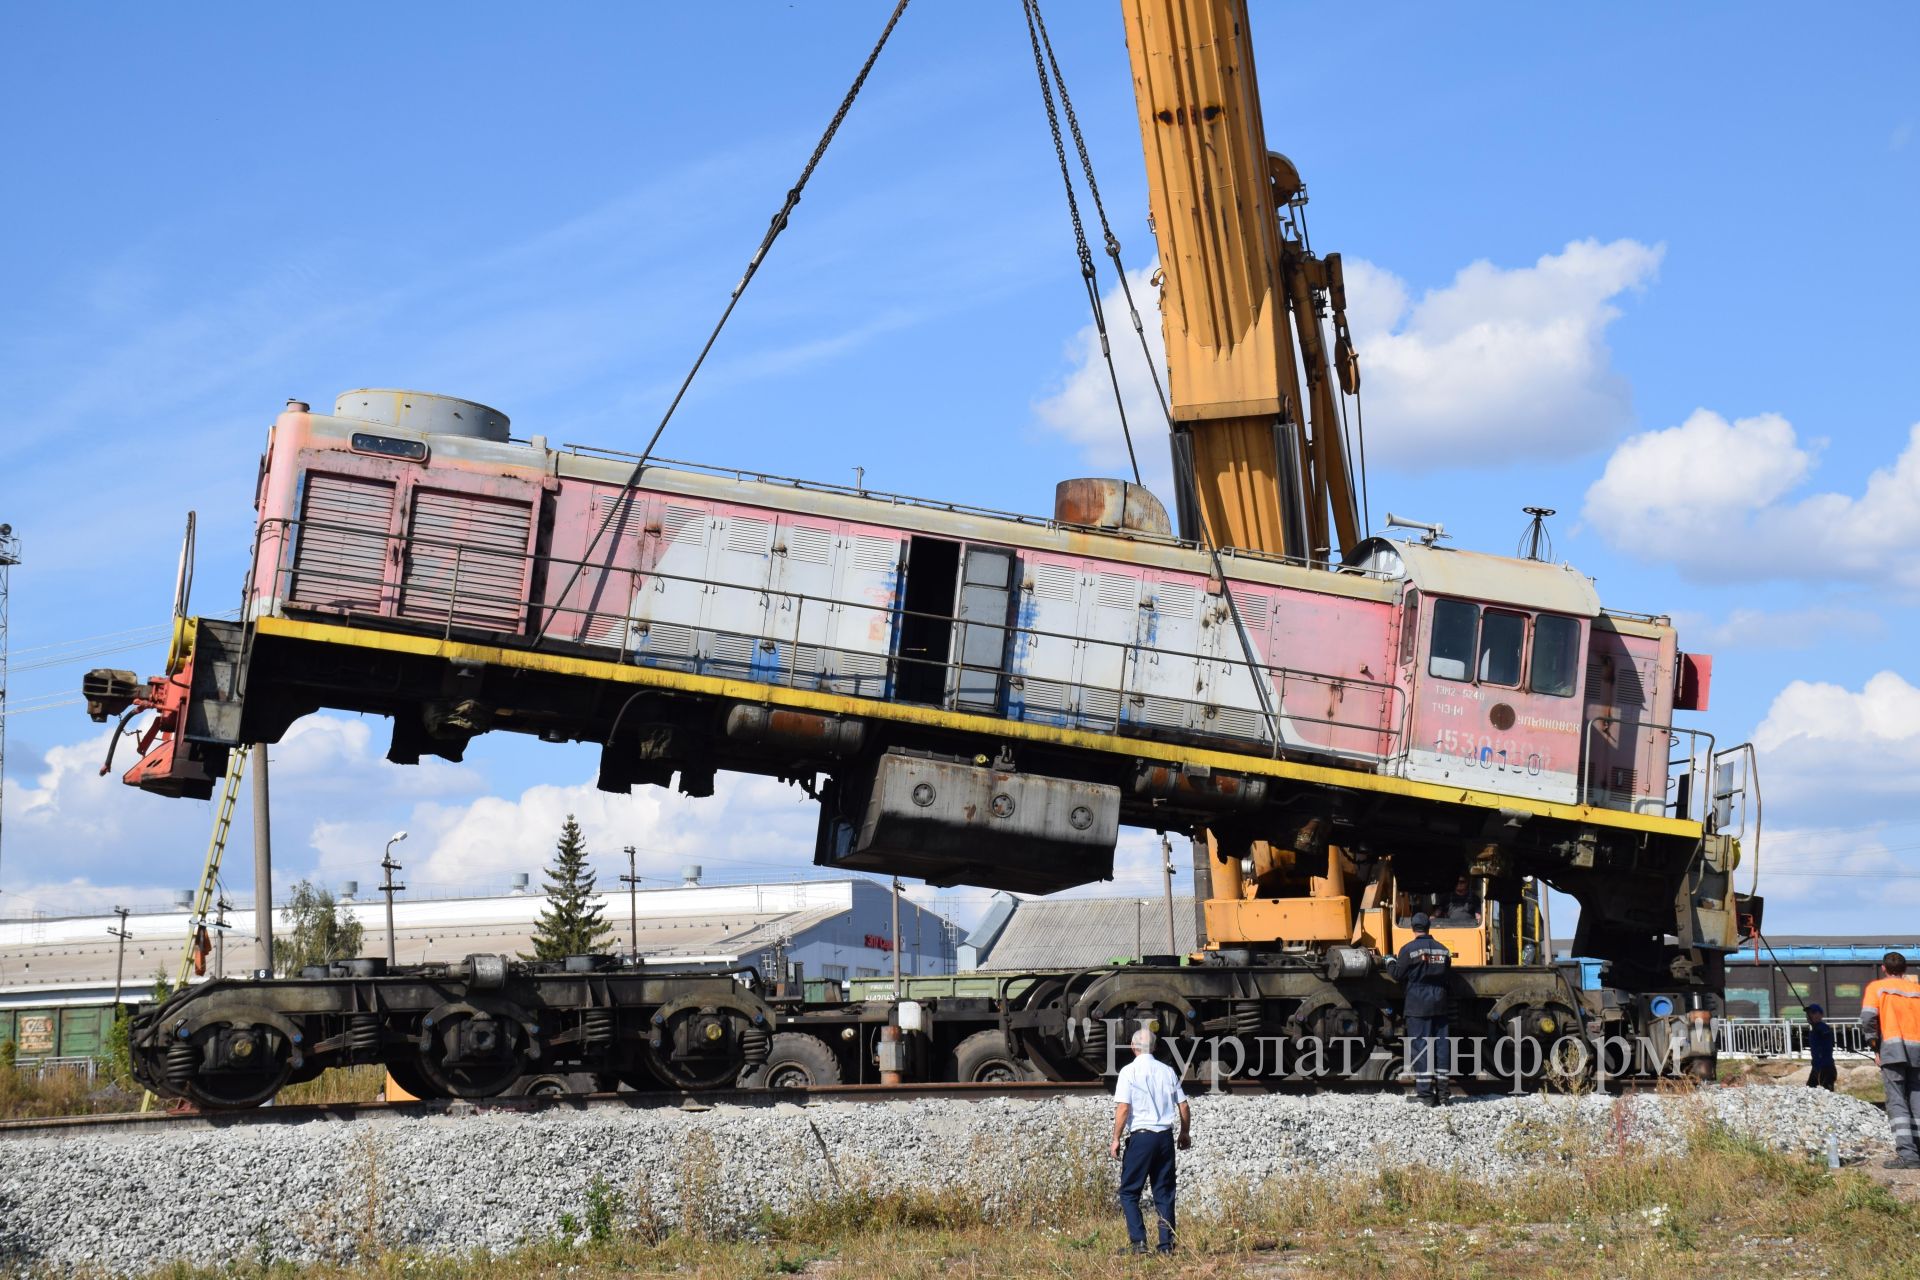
point(571, 925)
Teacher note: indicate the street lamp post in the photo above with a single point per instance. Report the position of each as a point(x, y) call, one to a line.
point(388, 865)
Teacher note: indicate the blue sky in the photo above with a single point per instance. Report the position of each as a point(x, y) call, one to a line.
point(1652, 268)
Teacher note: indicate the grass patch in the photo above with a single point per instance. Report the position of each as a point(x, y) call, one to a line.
point(336, 1084)
point(31, 1095)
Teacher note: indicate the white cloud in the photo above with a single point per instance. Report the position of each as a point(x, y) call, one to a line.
point(1829, 753)
point(1505, 363)
point(1712, 497)
point(1836, 880)
point(1501, 363)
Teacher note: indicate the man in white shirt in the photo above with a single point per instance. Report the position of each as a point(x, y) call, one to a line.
point(1148, 1099)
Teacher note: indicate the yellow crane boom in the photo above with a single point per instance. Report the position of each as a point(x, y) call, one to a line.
point(1257, 440)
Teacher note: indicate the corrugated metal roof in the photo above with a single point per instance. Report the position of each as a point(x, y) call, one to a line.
point(1474, 575)
point(1066, 933)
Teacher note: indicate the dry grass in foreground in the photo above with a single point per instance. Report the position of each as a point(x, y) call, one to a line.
point(339, 1084)
point(1728, 1208)
point(29, 1095)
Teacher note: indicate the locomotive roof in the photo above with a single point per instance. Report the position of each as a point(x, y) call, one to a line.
point(1475, 575)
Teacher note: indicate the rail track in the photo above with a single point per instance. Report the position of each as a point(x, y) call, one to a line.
point(158, 1121)
point(134, 1122)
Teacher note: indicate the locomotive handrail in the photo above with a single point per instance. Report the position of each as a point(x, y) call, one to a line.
point(1389, 727)
point(742, 474)
point(1694, 765)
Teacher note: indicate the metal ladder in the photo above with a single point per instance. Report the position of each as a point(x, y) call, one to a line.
point(203, 897)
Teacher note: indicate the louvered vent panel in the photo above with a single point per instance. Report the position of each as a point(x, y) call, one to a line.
point(875, 555)
point(1255, 611)
point(685, 524)
point(341, 558)
point(467, 560)
point(1055, 582)
point(749, 535)
point(734, 650)
point(665, 639)
point(1047, 695)
point(1236, 723)
point(809, 544)
point(1168, 713)
point(1119, 592)
point(1628, 688)
point(1175, 599)
point(1100, 705)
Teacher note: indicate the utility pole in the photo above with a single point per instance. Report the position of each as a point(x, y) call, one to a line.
point(1139, 929)
point(220, 927)
point(120, 961)
point(262, 868)
point(632, 881)
point(388, 865)
point(896, 939)
point(9, 557)
point(1166, 871)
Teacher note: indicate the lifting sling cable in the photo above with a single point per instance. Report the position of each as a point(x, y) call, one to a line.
point(1037, 33)
point(1088, 276)
point(779, 224)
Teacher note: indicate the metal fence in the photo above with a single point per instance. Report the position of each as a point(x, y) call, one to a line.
point(41, 1068)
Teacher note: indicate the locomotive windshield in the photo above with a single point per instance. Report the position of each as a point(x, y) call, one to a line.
point(1556, 651)
point(1486, 646)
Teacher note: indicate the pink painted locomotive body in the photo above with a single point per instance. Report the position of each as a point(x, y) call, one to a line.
point(1498, 675)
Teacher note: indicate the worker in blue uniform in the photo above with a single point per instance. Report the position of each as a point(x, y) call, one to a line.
point(1421, 968)
point(1824, 1074)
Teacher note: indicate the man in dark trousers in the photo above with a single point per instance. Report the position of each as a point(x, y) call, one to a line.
point(1148, 1099)
point(1421, 968)
point(1820, 1048)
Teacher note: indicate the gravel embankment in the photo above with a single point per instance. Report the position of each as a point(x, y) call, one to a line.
point(301, 1191)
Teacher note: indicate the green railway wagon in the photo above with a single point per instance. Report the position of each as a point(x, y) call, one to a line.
point(69, 1031)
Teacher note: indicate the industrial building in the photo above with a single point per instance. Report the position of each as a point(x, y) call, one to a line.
point(57, 972)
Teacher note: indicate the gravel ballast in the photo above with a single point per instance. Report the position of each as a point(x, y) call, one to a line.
point(326, 1188)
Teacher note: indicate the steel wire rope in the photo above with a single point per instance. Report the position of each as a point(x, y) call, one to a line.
point(1088, 274)
point(1037, 31)
point(1112, 243)
point(774, 228)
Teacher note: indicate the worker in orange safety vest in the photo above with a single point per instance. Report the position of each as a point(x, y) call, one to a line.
point(1890, 1018)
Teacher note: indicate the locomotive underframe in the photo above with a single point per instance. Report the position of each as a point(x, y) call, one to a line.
point(1655, 903)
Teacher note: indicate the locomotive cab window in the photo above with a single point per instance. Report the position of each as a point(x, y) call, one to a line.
point(1503, 636)
point(1451, 654)
point(1556, 655)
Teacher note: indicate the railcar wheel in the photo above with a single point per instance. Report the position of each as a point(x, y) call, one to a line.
point(982, 1058)
point(795, 1061)
point(471, 1053)
point(241, 1067)
point(410, 1077)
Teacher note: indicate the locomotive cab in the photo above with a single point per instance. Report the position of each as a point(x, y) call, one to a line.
point(1517, 682)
